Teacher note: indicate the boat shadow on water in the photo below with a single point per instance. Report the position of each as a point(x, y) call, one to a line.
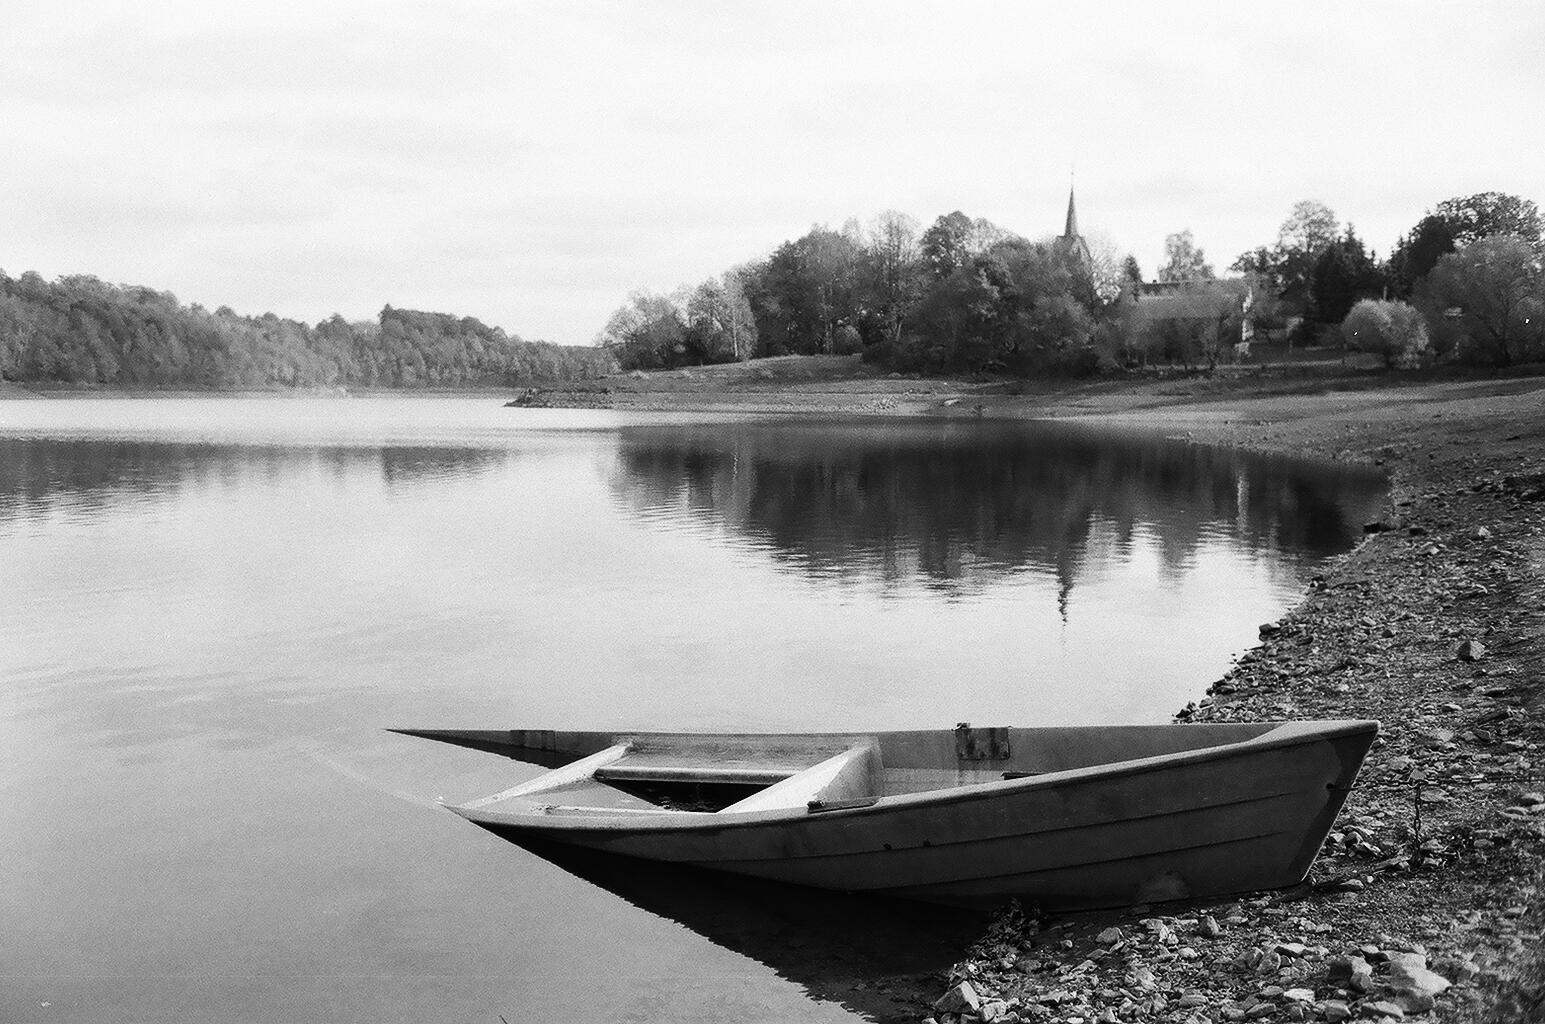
point(880, 958)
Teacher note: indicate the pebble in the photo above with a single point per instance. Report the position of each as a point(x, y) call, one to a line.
point(993, 1010)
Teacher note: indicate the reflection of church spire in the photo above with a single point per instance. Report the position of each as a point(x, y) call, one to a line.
point(1070, 554)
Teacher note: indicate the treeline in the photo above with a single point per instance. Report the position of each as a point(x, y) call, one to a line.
point(1463, 285)
point(80, 330)
point(964, 295)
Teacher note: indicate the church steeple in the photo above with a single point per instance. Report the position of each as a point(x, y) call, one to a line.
point(1071, 241)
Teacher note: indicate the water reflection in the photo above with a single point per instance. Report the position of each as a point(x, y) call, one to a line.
point(878, 958)
point(87, 477)
point(954, 506)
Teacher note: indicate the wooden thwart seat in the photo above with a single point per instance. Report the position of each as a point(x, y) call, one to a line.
point(848, 776)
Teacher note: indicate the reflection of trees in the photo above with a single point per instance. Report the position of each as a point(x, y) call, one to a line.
point(959, 503)
point(38, 475)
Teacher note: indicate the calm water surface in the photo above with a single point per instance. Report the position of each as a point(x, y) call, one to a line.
point(215, 606)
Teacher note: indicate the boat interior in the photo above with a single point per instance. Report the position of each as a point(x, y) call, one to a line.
point(654, 773)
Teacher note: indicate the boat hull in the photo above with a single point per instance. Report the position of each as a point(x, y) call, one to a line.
point(1190, 824)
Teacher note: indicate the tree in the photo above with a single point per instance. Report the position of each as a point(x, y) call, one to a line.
point(1183, 261)
point(1107, 271)
point(1008, 310)
point(719, 315)
point(1260, 263)
point(1486, 301)
point(1416, 254)
point(1131, 272)
point(944, 245)
point(954, 239)
point(893, 257)
point(1309, 230)
point(806, 291)
point(1394, 330)
point(647, 332)
point(1455, 223)
point(1486, 214)
point(1343, 274)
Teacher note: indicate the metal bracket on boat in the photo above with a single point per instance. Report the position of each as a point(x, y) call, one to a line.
point(817, 806)
point(990, 744)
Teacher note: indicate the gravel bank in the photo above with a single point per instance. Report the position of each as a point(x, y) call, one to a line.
point(1426, 903)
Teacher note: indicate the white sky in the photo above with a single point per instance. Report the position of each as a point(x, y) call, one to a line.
point(531, 163)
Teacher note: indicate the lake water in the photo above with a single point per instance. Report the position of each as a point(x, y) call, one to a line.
point(214, 607)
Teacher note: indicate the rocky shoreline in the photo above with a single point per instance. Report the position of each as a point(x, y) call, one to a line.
point(1426, 902)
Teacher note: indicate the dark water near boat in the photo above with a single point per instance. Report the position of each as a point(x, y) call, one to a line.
point(214, 607)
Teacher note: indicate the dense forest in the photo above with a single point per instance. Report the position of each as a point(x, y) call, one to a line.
point(964, 295)
point(79, 330)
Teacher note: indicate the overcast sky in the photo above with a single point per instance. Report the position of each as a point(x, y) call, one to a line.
point(530, 164)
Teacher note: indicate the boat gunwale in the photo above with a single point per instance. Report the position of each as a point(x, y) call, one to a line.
point(556, 818)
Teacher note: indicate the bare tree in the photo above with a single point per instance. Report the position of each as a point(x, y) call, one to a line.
point(895, 256)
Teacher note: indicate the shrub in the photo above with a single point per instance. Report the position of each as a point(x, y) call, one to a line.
point(1393, 330)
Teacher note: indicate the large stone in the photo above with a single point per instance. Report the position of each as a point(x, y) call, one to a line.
point(1109, 937)
point(1410, 976)
point(1335, 1010)
point(960, 999)
point(1471, 650)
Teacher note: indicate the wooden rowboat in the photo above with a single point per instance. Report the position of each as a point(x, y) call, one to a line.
point(1066, 818)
